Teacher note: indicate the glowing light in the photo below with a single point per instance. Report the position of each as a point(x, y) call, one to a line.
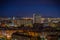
point(8, 36)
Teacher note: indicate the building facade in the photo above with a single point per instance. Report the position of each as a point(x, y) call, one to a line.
point(36, 18)
point(25, 21)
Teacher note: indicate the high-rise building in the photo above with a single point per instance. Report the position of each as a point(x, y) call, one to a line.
point(36, 18)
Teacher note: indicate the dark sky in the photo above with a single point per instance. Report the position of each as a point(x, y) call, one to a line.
point(29, 7)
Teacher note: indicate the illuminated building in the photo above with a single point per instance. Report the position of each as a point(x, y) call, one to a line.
point(22, 36)
point(36, 18)
point(24, 21)
point(27, 21)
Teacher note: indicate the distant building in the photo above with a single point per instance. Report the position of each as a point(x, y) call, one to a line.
point(24, 21)
point(22, 36)
point(36, 18)
point(28, 21)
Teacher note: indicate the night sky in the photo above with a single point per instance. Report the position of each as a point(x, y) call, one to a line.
point(29, 7)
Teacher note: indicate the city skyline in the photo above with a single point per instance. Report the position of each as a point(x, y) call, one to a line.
point(27, 8)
